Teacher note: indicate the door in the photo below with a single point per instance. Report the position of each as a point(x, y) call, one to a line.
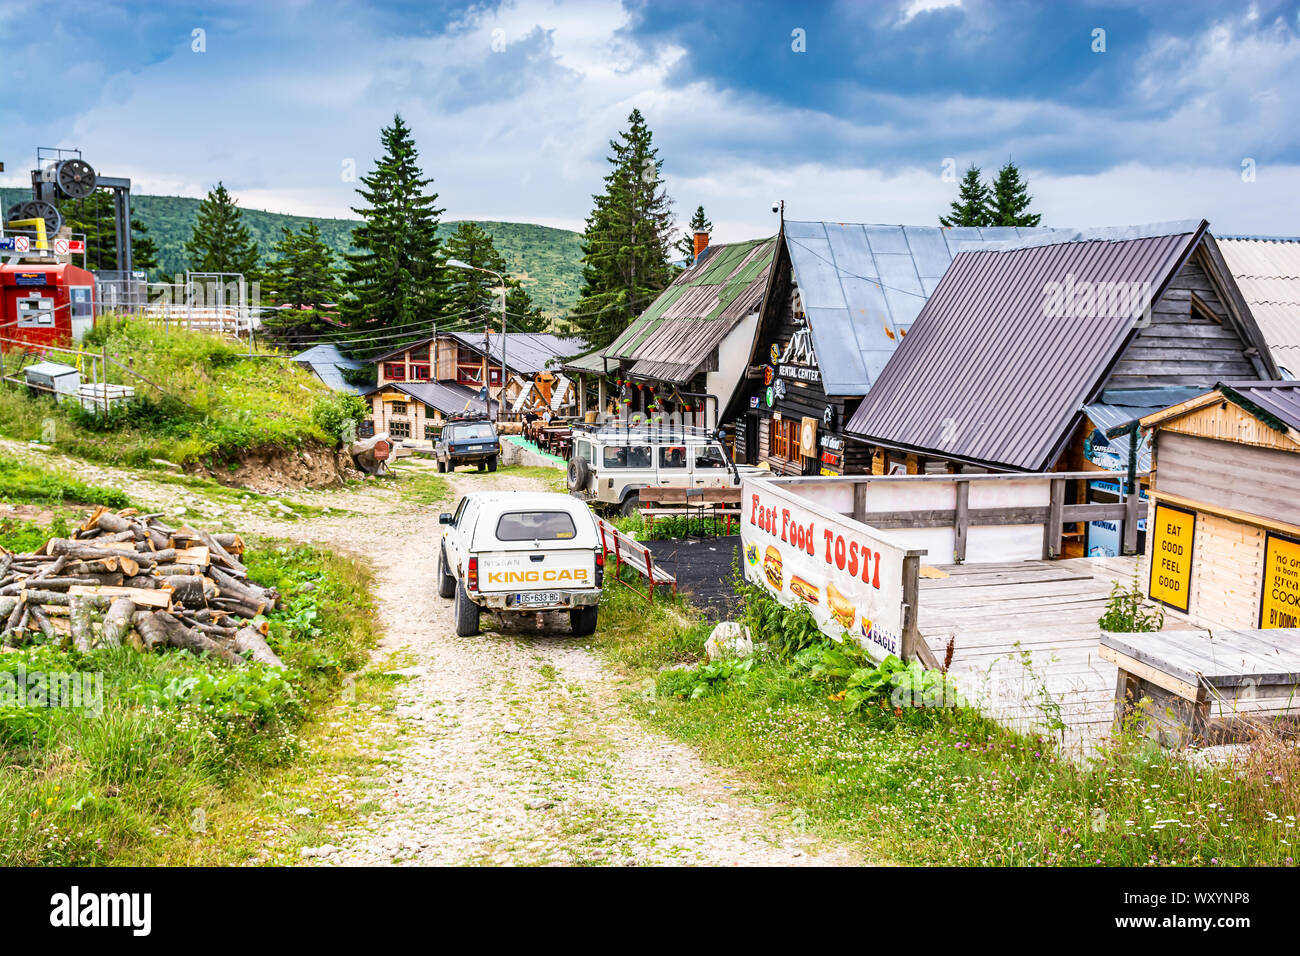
point(708, 466)
point(673, 466)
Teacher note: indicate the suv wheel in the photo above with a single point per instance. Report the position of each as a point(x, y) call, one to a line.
point(446, 583)
point(442, 466)
point(482, 465)
point(583, 620)
point(467, 613)
point(630, 504)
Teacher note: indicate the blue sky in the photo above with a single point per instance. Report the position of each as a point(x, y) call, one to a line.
point(513, 103)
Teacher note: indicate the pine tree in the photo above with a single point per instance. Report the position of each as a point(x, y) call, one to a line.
point(220, 242)
point(973, 205)
point(1011, 199)
point(144, 251)
point(686, 244)
point(397, 278)
point(474, 297)
point(301, 279)
point(627, 240)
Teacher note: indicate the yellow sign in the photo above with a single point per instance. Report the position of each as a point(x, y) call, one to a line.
point(1171, 556)
point(1279, 605)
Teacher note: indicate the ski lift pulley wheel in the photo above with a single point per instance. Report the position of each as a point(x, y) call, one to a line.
point(75, 178)
point(38, 209)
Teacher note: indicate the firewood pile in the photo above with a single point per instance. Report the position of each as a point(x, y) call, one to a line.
point(126, 578)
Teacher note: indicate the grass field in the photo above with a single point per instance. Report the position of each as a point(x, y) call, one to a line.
point(937, 784)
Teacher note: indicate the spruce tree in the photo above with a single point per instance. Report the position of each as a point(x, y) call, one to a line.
point(686, 244)
point(144, 251)
point(972, 207)
point(627, 240)
point(300, 278)
point(1011, 199)
point(474, 297)
point(220, 242)
point(397, 277)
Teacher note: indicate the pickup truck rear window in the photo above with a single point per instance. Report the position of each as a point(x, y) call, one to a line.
point(536, 526)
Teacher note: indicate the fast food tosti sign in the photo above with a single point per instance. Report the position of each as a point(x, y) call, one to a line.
point(847, 574)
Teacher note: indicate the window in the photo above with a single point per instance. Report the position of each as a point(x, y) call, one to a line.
point(397, 408)
point(783, 440)
point(672, 456)
point(431, 430)
point(476, 430)
point(536, 526)
point(582, 450)
point(420, 354)
point(395, 371)
point(399, 429)
point(709, 456)
point(82, 307)
point(419, 373)
point(627, 456)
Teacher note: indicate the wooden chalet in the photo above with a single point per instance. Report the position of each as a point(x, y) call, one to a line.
point(840, 299)
point(683, 359)
point(1224, 544)
point(1037, 355)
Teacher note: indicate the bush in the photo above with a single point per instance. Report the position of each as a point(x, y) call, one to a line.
point(338, 413)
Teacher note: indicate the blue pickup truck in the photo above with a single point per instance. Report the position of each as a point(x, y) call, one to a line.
point(467, 441)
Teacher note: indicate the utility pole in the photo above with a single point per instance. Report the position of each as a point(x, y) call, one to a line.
point(487, 332)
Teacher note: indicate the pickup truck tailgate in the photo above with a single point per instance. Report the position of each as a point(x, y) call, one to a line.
point(537, 570)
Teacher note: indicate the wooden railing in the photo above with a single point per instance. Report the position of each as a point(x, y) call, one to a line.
point(635, 555)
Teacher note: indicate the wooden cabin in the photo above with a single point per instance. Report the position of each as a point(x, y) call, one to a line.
point(840, 299)
point(1224, 539)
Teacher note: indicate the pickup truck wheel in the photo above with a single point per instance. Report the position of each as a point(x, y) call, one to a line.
point(583, 620)
point(467, 613)
point(630, 504)
point(446, 582)
point(482, 465)
point(492, 463)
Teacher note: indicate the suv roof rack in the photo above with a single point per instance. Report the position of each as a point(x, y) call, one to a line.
point(656, 429)
point(468, 417)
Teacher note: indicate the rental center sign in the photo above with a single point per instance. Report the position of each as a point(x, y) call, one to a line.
point(847, 574)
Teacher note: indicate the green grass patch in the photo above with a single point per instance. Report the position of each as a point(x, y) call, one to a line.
point(175, 737)
point(213, 403)
point(21, 482)
point(939, 784)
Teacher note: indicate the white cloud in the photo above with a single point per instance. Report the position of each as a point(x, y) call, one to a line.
point(917, 7)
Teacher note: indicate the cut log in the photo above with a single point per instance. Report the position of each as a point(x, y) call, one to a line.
point(232, 543)
point(186, 638)
point(190, 589)
point(44, 625)
point(152, 631)
point(144, 597)
point(83, 637)
point(198, 556)
point(118, 621)
point(249, 641)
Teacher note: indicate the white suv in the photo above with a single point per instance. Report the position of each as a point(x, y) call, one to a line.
point(521, 552)
point(610, 465)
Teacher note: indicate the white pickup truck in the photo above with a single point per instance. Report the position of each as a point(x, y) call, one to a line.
point(521, 552)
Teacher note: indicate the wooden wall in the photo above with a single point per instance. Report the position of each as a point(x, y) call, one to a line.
point(1225, 421)
point(1255, 481)
point(1183, 346)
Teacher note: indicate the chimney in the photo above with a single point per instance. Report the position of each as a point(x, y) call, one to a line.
point(701, 243)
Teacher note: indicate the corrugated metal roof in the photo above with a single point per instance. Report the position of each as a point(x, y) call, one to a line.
point(1268, 273)
point(527, 352)
point(1120, 408)
point(327, 362)
point(989, 374)
point(1279, 399)
point(590, 362)
point(862, 287)
point(448, 398)
point(676, 334)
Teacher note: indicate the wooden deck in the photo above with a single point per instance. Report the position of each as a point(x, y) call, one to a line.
point(1026, 640)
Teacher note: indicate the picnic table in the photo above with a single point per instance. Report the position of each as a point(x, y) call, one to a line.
point(556, 439)
point(1207, 686)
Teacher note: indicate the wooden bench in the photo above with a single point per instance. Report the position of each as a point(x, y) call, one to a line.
point(1205, 686)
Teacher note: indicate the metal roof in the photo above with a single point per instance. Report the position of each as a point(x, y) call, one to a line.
point(327, 362)
point(676, 334)
point(588, 362)
point(527, 352)
point(862, 287)
point(446, 397)
point(1118, 409)
point(1268, 273)
point(989, 374)
point(1279, 399)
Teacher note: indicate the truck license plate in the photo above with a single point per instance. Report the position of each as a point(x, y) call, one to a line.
point(537, 597)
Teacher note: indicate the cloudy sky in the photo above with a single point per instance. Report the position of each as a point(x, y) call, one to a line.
point(847, 111)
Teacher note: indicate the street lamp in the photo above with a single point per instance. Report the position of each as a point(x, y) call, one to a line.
point(457, 264)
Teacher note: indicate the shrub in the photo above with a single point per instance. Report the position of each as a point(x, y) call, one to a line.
point(338, 413)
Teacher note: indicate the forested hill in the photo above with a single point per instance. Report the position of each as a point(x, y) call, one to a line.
point(549, 260)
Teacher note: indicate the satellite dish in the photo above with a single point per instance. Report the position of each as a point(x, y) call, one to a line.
point(75, 178)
